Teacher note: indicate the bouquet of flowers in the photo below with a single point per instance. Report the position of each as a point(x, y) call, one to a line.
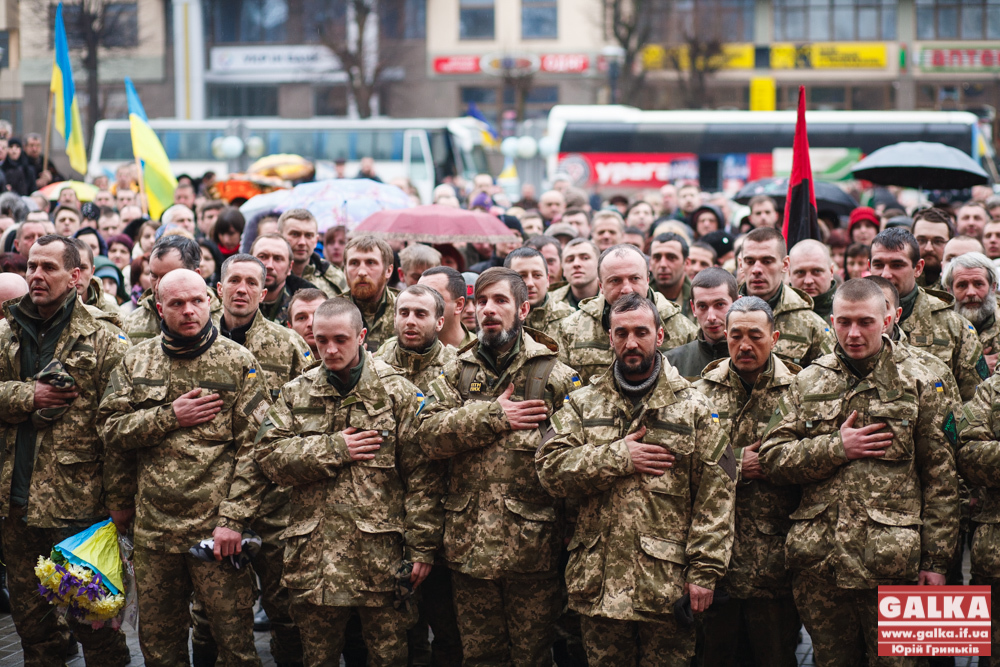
point(82, 576)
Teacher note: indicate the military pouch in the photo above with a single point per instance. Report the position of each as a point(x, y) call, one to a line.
point(53, 374)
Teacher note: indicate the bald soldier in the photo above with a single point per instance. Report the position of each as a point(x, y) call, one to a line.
point(12, 286)
point(179, 419)
point(811, 269)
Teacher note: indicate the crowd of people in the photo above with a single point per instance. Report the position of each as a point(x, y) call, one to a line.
point(643, 431)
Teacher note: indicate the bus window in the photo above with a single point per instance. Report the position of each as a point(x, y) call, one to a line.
point(418, 168)
point(189, 144)
point(117, 145)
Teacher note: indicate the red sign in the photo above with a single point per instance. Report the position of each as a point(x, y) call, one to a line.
point(457, 65)
point(565, 63)
point(628, 170)
point(934, 620)
point(960, 59)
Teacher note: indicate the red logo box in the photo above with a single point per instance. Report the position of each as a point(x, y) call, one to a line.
point(934, 620)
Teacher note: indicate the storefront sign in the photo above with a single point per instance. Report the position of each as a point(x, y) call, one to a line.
point(830, 55)
point(499, 64)
point(959, 59)
point(628, 170)
point(733, 56)
point(270, 59)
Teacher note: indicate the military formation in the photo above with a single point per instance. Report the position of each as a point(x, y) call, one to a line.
point(634, 468)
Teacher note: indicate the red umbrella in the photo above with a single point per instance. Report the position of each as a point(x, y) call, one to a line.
point(435, 224)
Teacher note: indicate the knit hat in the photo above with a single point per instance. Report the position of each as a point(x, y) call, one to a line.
point(863, 214)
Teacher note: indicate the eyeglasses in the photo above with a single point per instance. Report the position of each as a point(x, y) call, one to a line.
point(937, 242)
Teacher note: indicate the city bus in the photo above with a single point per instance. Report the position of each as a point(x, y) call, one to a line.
point(618, 148)
point(422, 150)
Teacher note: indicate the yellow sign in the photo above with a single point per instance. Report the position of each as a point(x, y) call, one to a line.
point(762, 93)
point(733, 56)
point(830, 55)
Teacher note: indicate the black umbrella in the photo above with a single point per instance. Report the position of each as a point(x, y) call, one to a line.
point(828, 196)
point(921, 164)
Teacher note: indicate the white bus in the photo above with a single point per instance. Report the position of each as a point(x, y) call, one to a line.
point(620, 148)
point(422, 150)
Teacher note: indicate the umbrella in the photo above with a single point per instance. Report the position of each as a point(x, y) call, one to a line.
point(436, 224)
point(921, 164)
point(84, 191)
point(828, 196)
point(334, 202)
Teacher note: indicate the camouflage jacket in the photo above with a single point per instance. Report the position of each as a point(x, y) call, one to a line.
point(325, 276)
point(546, 317)
point(97, 297)
point(498, 518)
point(353, 522)
point(564, 295)
point(934, 327)
point(185, 480)
point(757, 568)
point(66, 480)
point(639, 538)
point(979, 463)
point(143, 323)
point(282, 355)
point(419, 369)
point(989, 337)
point(584, 343)
point(382, 325)
point(683, 300)
point(868, 521)
point(805, 336)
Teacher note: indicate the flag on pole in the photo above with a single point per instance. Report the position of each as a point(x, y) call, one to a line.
point(66, 109)
point(158, 179)
point(801, 220)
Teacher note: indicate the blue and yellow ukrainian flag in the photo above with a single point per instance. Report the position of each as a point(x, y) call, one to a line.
point(157, 178)
point(67, 111)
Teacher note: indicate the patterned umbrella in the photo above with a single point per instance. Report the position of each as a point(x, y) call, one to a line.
point(436, 224)
point(334, 202)
point(84, 191)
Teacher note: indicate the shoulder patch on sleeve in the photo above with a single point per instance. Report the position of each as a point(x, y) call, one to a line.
point(950, 429)
point(982, 368)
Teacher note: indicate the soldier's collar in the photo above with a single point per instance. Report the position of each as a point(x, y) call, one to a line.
point(417, 361)
point(884, 377)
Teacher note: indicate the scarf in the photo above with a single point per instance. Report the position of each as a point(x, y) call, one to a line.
point(908, 302)
point(635, 392)
point(187, 347)
point(343, 388)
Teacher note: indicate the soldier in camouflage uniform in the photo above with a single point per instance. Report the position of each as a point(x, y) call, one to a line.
point(928, 319)
point(546, 312)
point(420, 357)
point(805, 336)
point(503, 531)
point(187, 456)
point(450, 284)
point(979, 463)
point(668, 253)
point(89, 288)
point(971, 278)
point(51, 484)
point(301, 230)
point(583, 336)
point(713, 291)
point(368, 264)
point(745, 390)
point(652, 466)
point(365, 500)
point(579, 261)
point(868, 433)
point(276, 254)
point(281, 356)
point(168, 253)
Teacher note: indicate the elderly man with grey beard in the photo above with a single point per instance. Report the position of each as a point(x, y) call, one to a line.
point(972, 279)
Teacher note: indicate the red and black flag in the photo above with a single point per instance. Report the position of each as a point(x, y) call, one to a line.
point(800, 204)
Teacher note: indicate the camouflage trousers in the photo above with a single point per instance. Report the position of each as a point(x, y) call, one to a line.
point(324, 633)
point(994, 623)
point(507, 621)
point(765, 629)
point(436, 609)
point(43, 631)
point(842, 623)
point(286, 644)
point(165, 582)
point(613, 643)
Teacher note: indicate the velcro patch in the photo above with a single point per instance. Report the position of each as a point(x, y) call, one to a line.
point(950, 428)
point(264, 428)
point(982, 368)
point(728, 462)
